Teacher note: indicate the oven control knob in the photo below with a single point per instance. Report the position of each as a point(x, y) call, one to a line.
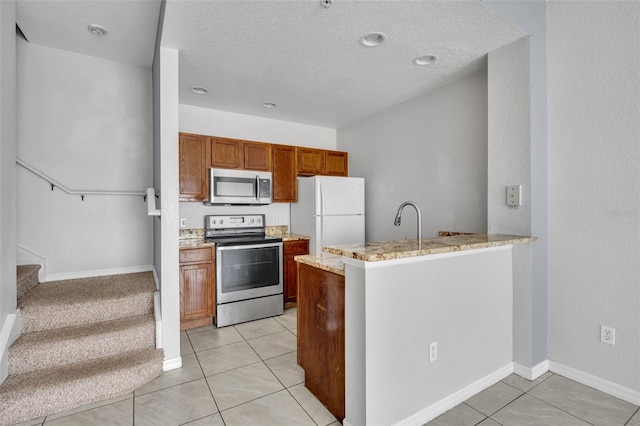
point(214, 221)
point(221, 221)
point(251, 221)
point(258, 220)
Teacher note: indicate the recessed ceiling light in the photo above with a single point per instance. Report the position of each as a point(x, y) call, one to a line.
point(98, 30)
point(269, 104)
point(199, 90)
point(425, 60)
point(373, 39)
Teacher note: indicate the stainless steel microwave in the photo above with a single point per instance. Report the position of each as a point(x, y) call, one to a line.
point(243, 187)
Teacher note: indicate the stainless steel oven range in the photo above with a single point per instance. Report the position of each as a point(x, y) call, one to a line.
point(249, 282)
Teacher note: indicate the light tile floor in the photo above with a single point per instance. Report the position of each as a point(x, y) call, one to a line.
point(551, 400)
point(247, 375)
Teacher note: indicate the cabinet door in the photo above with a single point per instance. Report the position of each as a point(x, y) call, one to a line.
point(197, 287)
point(290, 278)
point(226, 153)
point(192, 153)
point(257, 156)
point(311, 161)
point(196, 291)
point(285, 186)
point(291, 250)
point(337, 163)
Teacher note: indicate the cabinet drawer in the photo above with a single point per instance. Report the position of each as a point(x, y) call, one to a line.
point(196, 255)
point(296, 247)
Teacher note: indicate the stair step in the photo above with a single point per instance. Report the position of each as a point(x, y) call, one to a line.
point(46, 349)
point(69, 303)
point(44, 392)
point(27, 278)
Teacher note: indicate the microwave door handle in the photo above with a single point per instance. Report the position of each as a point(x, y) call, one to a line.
point(257, 188)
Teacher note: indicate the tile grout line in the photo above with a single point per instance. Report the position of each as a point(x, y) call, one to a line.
point(560, 409)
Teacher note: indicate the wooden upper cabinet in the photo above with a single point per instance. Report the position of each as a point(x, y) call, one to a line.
point(192, 153)
point(227, 153)
point(257, 156)
point(311, 161)
point(285, 185)
point(337, 163)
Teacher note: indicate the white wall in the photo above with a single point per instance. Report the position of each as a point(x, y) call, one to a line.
point(594, 166)
point(395, 309)
point(9, 317)
point(530, 15)
point(87, 123)
point(166, 157)
point(509, 121)
point(240, 126)
point(431, 150)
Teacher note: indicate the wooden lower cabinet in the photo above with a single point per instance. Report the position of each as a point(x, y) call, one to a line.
point(290, 269)
point(321, 335)
point(197, 287)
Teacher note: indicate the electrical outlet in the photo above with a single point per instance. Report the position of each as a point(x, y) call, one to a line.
point(277, 219)
point(607, 335)
point(183, 222)
point(433, 351)
point(514, 195)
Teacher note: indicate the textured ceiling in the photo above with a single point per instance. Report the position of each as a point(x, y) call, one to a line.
point(308, 59)
point(296, 53)
point(62, 24)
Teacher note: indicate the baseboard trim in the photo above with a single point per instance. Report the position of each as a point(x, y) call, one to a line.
point(171, 364)
point(98, 273)
point(606, 386)
point(431, 412)
point(531, 373)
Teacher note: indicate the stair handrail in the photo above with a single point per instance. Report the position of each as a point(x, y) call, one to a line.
point(54, 183)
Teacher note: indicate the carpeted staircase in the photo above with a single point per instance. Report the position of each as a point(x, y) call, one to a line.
point(82, 341)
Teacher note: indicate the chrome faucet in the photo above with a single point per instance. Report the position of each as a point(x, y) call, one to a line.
point(396, 222)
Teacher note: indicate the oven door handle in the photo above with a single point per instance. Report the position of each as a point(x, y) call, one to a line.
point(251, 246)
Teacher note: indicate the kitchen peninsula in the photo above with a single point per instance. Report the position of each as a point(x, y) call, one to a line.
point(420, 323)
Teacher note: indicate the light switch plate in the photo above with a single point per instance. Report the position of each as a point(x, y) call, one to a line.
point(183, 222)
point(514, 195)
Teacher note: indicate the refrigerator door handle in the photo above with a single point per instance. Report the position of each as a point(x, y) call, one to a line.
point(321, 198)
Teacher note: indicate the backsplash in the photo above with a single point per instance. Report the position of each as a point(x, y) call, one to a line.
point(194, 212)
point(189, 233)
point(277, 230)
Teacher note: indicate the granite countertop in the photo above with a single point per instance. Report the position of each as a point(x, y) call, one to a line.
point(325, 261)
point(389, 250)
point(194, 237)
point(282, 231)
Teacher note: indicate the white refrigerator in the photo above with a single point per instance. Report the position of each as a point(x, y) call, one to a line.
point(330, 210)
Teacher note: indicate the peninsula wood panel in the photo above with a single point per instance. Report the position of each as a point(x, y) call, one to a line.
point(192, 167)
point(285, 172)
point(321, 335)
